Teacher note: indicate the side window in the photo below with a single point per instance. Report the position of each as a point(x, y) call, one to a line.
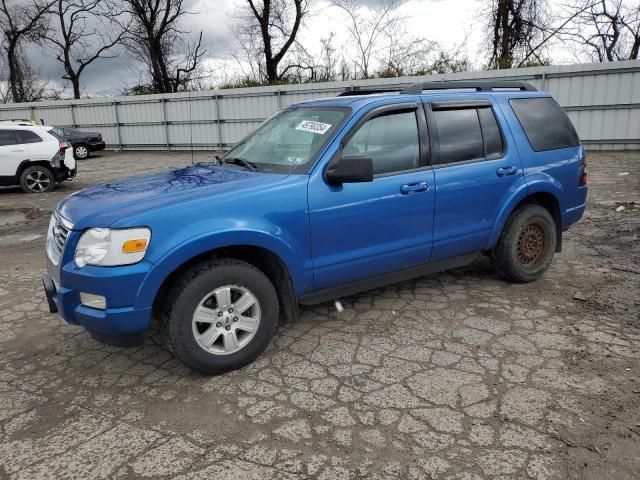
point(544, 122)
point(7, 137)
point(25, 136)
point(390, 140)
point(490, 133)
point(459, 135)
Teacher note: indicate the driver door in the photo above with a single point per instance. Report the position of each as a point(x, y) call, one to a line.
point(360, 230)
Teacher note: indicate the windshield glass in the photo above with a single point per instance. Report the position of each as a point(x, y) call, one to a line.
point(289, 140)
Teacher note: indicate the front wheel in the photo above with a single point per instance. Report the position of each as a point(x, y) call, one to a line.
point(221, 315)
point(526, 246)
point(81, 152)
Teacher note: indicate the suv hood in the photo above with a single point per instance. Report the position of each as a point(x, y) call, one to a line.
point(102, 205)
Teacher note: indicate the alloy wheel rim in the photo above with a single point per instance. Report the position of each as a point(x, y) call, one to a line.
point(226, 320)
point(37, 181)
point(532, 245)
point(81, 152)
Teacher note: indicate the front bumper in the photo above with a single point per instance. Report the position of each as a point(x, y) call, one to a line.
point(119, 285)
point(96, 146)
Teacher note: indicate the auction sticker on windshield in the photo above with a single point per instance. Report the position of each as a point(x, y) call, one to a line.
point(314, 127)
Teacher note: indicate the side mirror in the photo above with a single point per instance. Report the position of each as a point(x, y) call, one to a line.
point(353, 169)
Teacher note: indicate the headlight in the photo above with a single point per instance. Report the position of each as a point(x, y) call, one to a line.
point(107, 247)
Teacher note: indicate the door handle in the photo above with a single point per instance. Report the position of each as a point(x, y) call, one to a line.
point(417, 187)
point(505, 171)
point(18, 150)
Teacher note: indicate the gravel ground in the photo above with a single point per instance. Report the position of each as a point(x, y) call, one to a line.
point(454, 376)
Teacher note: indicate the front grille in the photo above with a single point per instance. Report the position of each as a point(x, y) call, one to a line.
point(57, 238)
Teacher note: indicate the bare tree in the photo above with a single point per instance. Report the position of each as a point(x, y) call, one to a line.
point(85, 31)
point(513, 28)
point(21, 22)
point(369, 28)
point(606, 30)
point(153, 35)
point(267, 31)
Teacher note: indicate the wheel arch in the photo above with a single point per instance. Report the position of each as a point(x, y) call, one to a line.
point(28, 163)
point(547, 199)
point(266, 260)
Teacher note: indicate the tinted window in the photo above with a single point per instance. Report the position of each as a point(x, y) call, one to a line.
point(490, 133)
point(390, 140)
point(25, 136)
point(546, 125)
point(459, 135)
point(7, 137)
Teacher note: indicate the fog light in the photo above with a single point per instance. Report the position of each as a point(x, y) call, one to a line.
point(93, 301)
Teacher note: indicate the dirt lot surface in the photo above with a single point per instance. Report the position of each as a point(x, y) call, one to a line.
point(454, 376)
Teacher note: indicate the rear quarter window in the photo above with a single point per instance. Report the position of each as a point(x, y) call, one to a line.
point(26, 136)
point(545, 123)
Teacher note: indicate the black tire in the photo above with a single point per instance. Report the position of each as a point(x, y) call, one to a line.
point(188, 293)
point(527, 244)
point(81, 151)
point(37, 179)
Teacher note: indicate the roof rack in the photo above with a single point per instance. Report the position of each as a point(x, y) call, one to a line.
point(478, 86)
point(368, 91)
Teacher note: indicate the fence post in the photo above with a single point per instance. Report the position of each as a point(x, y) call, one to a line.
point(217, 109)
point(73, 116)
point(544, 80)
point(115, 114)
point(164, 121)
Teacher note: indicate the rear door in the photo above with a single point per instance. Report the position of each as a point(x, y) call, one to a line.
point(476, 167)
point(11, 154)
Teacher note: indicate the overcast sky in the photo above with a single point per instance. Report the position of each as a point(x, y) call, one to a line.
point(447, 21)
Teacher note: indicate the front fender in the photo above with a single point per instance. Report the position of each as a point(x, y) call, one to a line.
point(187, 245)
point(536, 183)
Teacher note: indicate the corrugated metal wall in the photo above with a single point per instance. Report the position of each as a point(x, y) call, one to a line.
point(603, 100)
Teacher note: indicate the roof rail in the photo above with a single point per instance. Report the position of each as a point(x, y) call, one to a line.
point(478, 86)
point(368, 91)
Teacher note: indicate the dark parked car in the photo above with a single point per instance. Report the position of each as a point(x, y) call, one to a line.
point(83, 142)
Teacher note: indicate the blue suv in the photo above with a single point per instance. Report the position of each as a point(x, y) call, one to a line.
point(325, 199)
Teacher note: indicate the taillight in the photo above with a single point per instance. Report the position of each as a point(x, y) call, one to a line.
point(583, 171)
point(64, 145)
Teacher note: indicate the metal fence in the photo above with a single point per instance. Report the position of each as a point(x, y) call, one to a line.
point(603, 101)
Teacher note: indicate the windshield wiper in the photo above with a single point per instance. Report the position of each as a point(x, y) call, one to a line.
point(242, 162)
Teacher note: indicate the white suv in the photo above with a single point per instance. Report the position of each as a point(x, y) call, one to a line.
point(34, 157)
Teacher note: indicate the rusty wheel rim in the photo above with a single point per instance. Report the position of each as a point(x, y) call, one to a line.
point(533, 244)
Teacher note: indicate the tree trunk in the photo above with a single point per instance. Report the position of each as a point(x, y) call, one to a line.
point(75, 81)
point(14, 73)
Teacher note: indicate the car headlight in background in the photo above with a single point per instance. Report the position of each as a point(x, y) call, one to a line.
point(108, 248)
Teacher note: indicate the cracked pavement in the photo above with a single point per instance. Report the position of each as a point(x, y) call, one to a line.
point(458, 375)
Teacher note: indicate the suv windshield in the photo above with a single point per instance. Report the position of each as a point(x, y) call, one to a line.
point(289, 140)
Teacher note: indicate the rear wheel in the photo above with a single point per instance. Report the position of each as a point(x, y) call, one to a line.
point(221, 315)
point(81, 152)
point(37, 179)
point(526, 247)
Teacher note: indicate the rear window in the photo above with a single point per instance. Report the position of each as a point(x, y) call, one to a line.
point(459, 135)
point(545, 123)
point(468, 134)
